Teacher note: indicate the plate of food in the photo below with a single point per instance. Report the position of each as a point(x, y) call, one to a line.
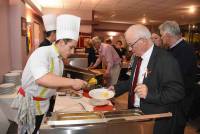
point(101, 93)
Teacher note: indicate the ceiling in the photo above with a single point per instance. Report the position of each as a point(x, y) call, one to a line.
point(131, 11)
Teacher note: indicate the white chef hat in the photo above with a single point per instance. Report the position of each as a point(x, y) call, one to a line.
point(49, 22)
point(68, 27)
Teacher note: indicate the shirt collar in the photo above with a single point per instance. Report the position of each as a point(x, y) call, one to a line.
point(55, 50)
point(178, 41)
point(147, 54)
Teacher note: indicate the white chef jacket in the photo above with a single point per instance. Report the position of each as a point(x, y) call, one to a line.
point(42, 61)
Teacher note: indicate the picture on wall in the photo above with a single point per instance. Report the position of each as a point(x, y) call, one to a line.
point(23, 26)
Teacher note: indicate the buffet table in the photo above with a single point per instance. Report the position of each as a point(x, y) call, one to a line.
point(5, 105)
point(69, 104)
point(6, 112)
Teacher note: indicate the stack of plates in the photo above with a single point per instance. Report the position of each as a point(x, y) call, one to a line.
point(16, 71)
point(12, 78)
point(7, 88)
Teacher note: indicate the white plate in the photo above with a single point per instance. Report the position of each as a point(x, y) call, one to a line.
point(96, 102)
point(12, 74)
point(101, 94)
point(16, 71)
point(7, 85)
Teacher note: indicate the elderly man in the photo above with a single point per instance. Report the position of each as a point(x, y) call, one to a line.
point(171, 36)
point(110, 59)
point(155, 85)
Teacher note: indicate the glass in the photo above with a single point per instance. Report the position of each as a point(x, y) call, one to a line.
point(131, 45)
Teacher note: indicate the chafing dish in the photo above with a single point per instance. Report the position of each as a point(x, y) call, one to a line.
point(83, 73)
point(77, 116)
point(112, 122)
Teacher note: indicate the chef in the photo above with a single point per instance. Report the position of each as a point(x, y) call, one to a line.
point(42, 75)
point(49, 21)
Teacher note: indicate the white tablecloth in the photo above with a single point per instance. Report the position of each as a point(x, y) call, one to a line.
point(68, 104)
point(5, 102)
point(4, 123)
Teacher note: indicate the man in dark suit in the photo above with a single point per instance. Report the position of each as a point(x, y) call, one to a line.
point(184, 54)
point(159, 86)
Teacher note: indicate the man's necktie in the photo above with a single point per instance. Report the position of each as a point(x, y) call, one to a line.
point(135, 79)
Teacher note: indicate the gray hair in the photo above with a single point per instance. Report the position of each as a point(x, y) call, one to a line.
point(139, 31)
point(170, 27)
point(96, 40)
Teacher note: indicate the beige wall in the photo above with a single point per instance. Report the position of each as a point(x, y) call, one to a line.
point(5, 63)
point(13, 45)
point(15, 35)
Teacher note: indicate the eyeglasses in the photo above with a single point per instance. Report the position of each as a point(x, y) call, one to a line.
point(131, 45)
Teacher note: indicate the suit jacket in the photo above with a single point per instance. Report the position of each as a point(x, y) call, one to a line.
point(185, 56)
point(91, 55)
point(45, 43)
point(165, 89)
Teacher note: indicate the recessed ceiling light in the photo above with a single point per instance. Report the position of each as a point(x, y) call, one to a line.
point(112, 33)
point(192, 9)
point(144, 21)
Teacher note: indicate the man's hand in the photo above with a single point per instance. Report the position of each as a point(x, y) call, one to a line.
point(77, 84)
point(106, 74)
point(112, 88)
point(141, 90)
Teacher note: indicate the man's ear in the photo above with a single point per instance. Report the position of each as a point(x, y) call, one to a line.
point(168, 35)
point(61, 42)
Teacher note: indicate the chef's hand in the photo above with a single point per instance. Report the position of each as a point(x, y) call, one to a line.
point(91, 67)
point(78, 84)
point(141, 90)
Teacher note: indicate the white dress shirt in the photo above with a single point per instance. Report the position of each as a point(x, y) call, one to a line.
point(143, 70)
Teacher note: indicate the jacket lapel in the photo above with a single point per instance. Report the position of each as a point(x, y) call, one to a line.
point(151, 63)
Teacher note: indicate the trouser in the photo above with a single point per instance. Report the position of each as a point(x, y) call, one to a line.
point(51, 106)
point(114, 74)
point(38, 121)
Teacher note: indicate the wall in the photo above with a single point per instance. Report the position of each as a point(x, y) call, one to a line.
point(18, 46)
point(5, 63)
point(15, 35)
point(86, 28)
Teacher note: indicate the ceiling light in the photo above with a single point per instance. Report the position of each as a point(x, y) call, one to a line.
point(112, 33)
point(192, 9)
point(50, 3)
point(144, 21)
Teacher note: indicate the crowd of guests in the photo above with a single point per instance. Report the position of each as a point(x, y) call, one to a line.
point(170, 63)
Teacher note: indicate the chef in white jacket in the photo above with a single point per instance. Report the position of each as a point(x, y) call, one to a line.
point(42, 75)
